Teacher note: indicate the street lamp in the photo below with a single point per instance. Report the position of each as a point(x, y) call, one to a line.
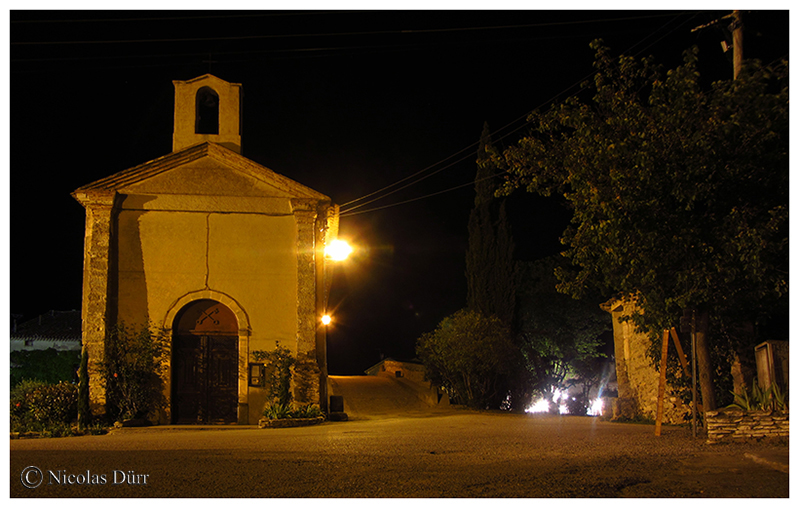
point(335, 251)
point(338, 250)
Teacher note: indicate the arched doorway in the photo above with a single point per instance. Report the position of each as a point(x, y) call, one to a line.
point(205, 364)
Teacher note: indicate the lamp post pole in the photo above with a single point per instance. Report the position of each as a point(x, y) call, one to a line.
point(336, 251)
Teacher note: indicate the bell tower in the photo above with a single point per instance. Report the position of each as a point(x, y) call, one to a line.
point(207, 109)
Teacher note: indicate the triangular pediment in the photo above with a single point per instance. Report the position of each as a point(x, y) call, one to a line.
point(206, 169)
point(207, 177)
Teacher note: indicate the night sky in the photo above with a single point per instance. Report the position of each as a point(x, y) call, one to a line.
point(343, 102)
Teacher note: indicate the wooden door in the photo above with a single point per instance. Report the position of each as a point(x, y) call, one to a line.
point(205, 365)
point(188, 379)
point(222, 380)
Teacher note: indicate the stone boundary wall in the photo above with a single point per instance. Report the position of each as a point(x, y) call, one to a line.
point(289, 423)
point(727, 425)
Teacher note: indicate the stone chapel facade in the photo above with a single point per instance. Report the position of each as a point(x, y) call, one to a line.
point(224, 254)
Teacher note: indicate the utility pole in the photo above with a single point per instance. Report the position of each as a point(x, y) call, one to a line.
point(688, 325)
point(737, 27)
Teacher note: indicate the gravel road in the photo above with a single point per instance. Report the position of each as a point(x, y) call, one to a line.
point(457, 454)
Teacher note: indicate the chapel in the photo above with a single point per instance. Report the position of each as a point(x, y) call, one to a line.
point(222, 253)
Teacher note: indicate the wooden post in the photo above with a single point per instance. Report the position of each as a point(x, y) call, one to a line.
point(694, 378)
point(679, 348)
point(662, 383)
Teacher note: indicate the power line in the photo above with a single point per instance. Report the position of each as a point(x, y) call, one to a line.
point(313, 49)
point(333, 34)
point(494, 133)
point(470, 183)
point(346, 212)
point(272, 14)
point(403, 180)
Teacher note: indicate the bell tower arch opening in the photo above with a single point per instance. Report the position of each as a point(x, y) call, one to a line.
point(206, 111)
point(205, 364)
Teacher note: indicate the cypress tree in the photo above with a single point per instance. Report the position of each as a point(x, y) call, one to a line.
point(490, 254)
point(84, 412)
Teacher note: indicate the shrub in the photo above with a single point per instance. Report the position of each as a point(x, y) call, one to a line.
point(38, 406)
point(56, 403)
point(132, 369)
point(309, 411)
point(275, 410)
point(771, 398)
point(20, 398)
point(56, 430)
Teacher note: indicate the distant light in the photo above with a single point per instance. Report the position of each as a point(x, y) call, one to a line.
point(559, 399)
point(540, 406)
point(338, 250)
point(326, 319)
point(596, 407)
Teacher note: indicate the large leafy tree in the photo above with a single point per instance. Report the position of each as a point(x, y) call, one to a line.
point(679, 192)
point(472, 356)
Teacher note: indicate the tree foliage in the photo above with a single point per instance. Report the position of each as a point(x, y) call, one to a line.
point(560, 336)
point(50, 365)
point(490, 267)
point(679, 193)
point(472, 356)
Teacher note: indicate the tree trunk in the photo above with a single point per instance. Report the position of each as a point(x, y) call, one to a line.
point(705, 367)
point(742, 367)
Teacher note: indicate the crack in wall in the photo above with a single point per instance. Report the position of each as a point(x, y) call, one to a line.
point(208, 246)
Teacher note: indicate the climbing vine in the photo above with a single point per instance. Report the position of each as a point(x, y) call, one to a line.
point(278, 365)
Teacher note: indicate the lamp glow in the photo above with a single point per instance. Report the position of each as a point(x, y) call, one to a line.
point(338, 250)
point(326, 319)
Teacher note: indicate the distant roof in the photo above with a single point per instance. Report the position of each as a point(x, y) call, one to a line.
point(63, 325)
point(391, 359)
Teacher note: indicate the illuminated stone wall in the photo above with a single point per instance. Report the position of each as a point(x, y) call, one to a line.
point(637, 377)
